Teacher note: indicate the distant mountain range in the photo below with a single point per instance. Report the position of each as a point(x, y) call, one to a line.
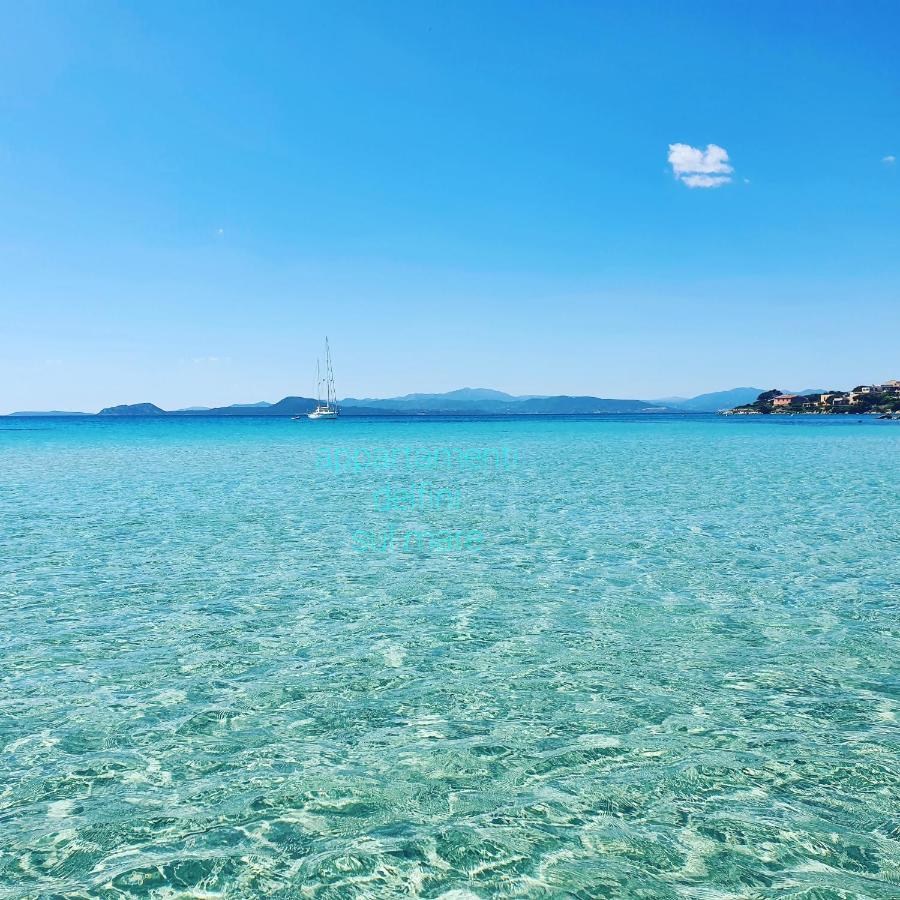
point(719, 400)
point(195, 409)
point(49, 412)
point(465, 401)
point(713, 402)
point(483, 401)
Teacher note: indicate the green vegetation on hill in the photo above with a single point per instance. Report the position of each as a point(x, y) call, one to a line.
point(882, 399)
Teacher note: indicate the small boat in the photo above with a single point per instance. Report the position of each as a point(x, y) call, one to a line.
point(328, 409)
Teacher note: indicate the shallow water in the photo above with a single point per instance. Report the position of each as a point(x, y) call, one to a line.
point(632, 657)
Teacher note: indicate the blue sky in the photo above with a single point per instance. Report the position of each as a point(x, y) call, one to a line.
point(472, 194)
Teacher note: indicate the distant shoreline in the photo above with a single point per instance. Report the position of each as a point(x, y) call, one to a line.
point(461, 402)
point(673, 413)
point(881, 400)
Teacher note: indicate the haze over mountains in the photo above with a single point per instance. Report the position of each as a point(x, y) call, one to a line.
point(49, 412)
point(465, 401)
point(714, 401)
point(484, 401)
point(421, 404)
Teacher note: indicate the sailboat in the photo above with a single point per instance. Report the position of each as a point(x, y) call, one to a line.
point(328, 409)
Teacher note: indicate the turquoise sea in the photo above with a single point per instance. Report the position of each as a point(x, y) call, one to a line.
point(611, 657)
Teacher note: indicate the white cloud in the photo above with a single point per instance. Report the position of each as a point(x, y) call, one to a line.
point(705, 180)
point(698, 168)
point(889, 160)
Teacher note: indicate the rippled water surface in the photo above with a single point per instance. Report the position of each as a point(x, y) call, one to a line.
point(650, 658)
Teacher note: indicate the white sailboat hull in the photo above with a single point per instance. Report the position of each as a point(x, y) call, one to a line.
point(327, 409)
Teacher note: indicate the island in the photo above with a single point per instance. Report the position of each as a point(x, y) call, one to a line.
point(872, 399)
point(132, 409)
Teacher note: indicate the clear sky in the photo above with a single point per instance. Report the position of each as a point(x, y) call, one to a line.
point(621, 199)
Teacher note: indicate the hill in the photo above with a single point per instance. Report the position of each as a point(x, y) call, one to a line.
point(463, 402)
point(464, 396)
point(715, 400)
point(482, 401)
point(289, 406)
point(565, 405)
point(133, 409)
point(875, 399)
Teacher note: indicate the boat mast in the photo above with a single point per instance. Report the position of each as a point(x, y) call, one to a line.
point(318, 385)
point(329, 374)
